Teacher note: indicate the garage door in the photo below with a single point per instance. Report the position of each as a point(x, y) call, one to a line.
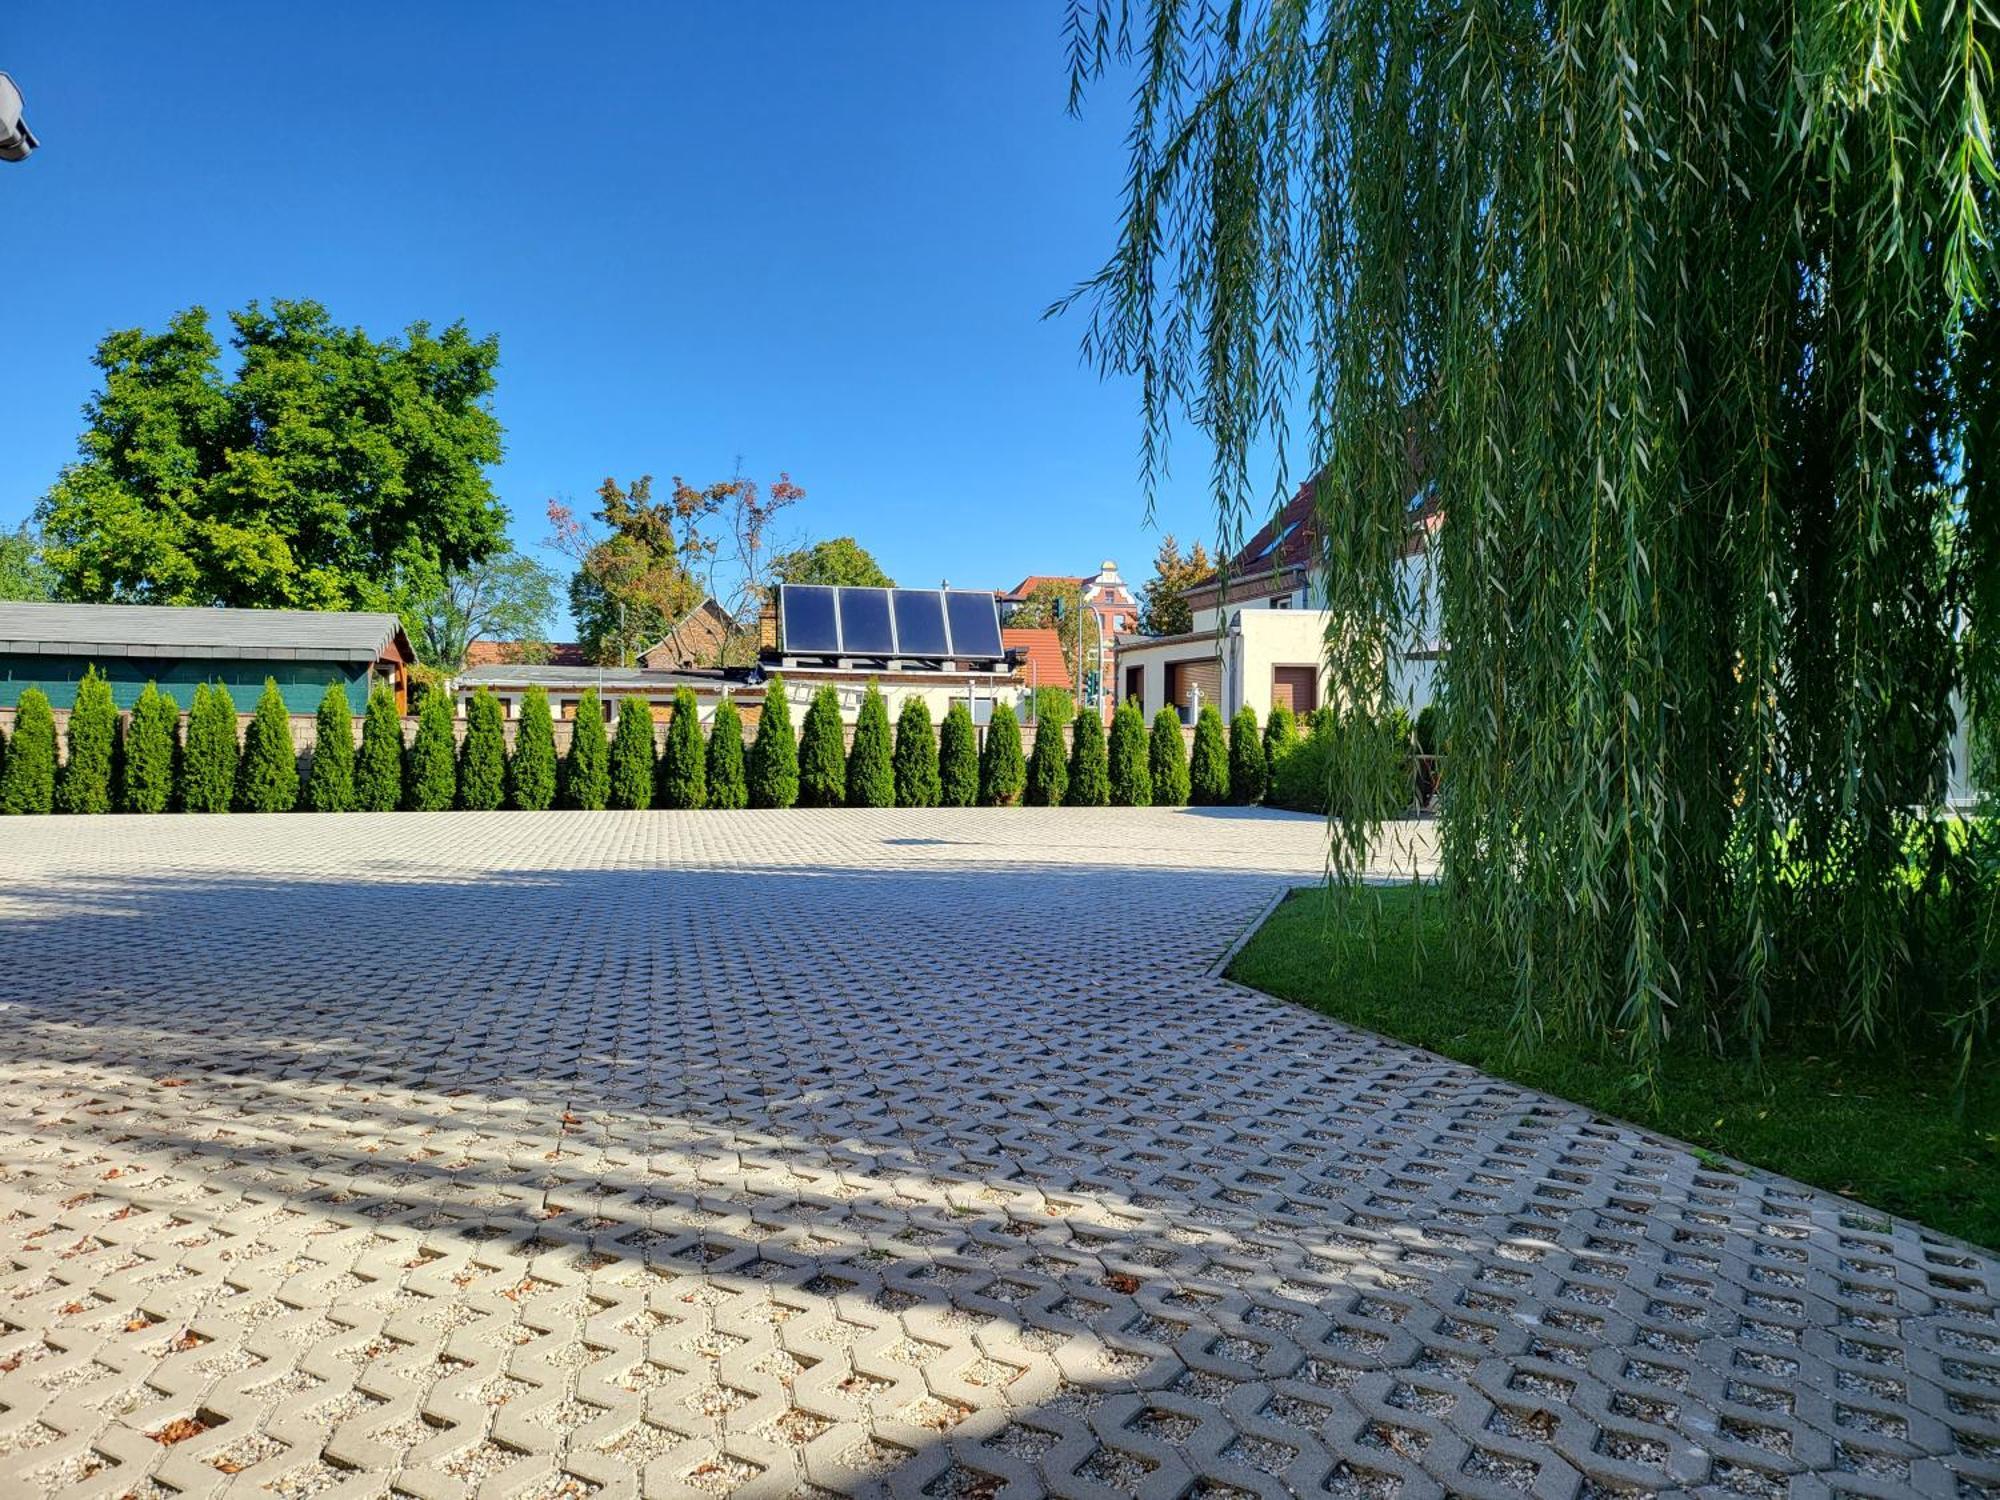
point(1295, 687)
point(1184, 677)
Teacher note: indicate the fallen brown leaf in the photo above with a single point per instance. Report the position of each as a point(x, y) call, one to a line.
point(179, 1431)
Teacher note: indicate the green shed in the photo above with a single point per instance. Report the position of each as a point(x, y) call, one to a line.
point(49, 646)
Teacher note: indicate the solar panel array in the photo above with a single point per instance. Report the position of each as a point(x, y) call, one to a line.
point(937, 624)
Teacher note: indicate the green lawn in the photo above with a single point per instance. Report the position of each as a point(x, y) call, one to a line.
point(1881, 1129)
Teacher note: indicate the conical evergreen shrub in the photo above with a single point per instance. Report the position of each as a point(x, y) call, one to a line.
point(871, 774)
point(684, 767)
point(208, 760)
point(1048, 764)
point(378, 769)
point(1131, 778)
point(774, 757)
point(916, 759)
point(84, 783)
point(586, 772)
point(725, 786)
point(822, 752)
point(531, 769)
point(1166, 760)
point(1089, 782)
point(482, 755)
point(430, 772)
point(152, 744)
point(1246, 758)
point(958, 758)
point(632, 757)
point(1281, 732)
point(267, 777)
point(330, 774)
point(1208, 771)
point(1003, 771)
point(28, 781)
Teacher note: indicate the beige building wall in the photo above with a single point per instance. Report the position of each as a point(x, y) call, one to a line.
point(1259, 642)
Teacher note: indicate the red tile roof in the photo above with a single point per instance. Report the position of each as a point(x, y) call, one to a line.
point(508, 653)
point(1043, 665)
point(1027, 585)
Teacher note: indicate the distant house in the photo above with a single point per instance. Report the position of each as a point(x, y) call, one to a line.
point(508, 653)
point(696, 640)
point(50, 646)
point(1040, 652)
point(1107, 597)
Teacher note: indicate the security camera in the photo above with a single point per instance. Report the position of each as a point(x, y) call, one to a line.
point(16, 140)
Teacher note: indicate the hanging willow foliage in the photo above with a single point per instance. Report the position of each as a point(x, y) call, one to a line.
point(1679, 313)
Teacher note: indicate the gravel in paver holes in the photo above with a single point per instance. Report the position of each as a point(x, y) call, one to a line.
point(936, 1413)
point(960, 1483)
point(475, 1465)
point(1120, 1471)
point(1502, 1468)
point(1532, 1426)
point(1362, 1484)
point(1633, 1450)
point(797, 1426)
point(1404, 1442)
point(1743, 1479)
point(247, 1454)
point(1018, 1440)
point(1261, 1454)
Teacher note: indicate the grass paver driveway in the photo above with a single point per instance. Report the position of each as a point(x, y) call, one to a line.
point(821, 1153)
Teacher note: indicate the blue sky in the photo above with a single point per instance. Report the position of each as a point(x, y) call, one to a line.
point(816, 236)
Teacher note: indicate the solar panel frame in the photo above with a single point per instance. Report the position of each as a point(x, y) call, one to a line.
point(807, 629)
point(974, 620)
point(920, 622)
point(867, 625)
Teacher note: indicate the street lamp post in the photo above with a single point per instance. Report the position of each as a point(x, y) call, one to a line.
point(17, 142)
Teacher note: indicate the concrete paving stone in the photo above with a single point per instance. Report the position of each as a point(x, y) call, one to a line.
point(537, 1157)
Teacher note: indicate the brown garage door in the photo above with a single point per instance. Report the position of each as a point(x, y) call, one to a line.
point(1295, 687)
point(1183, 677)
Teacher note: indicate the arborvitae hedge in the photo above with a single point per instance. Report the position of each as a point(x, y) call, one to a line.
point(916, 758)
point(1131, 778)
point(152, 743)
point(430, 773)
point(531, 769)
point(1048, 767)
point(1208, 774)
point(958, 758)
point(84, 783)
point(482, 755)
point(632, 760)
point(1003, 772)
point(1089, 772)
point(28, 782)
point(586, 772)
point(871, 775)
point(822, 753)
point(774, 758)
point(1246, 758)
point(378, 769)
point(208, 761)
point(684, 767)
point(1166, 760)
point(267, 777)
point(330, 775)
point(724, 784)
point(1281, 732)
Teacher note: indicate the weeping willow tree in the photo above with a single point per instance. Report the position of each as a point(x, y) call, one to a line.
point(1679, 316)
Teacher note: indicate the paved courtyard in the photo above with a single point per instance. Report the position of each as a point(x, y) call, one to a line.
point(819, 1153)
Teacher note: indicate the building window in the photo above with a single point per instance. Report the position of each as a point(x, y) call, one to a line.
point(1283, 601)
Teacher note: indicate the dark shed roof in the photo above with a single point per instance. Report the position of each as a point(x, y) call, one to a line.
point(115, 630)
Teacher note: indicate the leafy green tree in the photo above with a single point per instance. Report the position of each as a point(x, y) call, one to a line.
point(1002, 771)
point(28, 781)
point(586, 774)
point(684, 768)
point(632, 757)
point(774, 757)
point(1163, 607)
point(378, 769)
point(1131, 777)
point(1089, 780)
point(507, 596)
point(1048, 767)
point(307, 479)
point(1058, 604)
point(208, 761)
point(24, 577)
point(531, 770)
point(267, 777)
point(871, 776)
point(1208, 771)
point(840, 560)
point(1281, 732)
point(329, 783)
point(84, 783)
point(822, 752)
point(726, 787)
point(430, 774)
point(1166, 760)
point(1246, 758)
point(152, 745)
point(482, 755)
point(958, 758)
point(1054, 703)
point(916, 761)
